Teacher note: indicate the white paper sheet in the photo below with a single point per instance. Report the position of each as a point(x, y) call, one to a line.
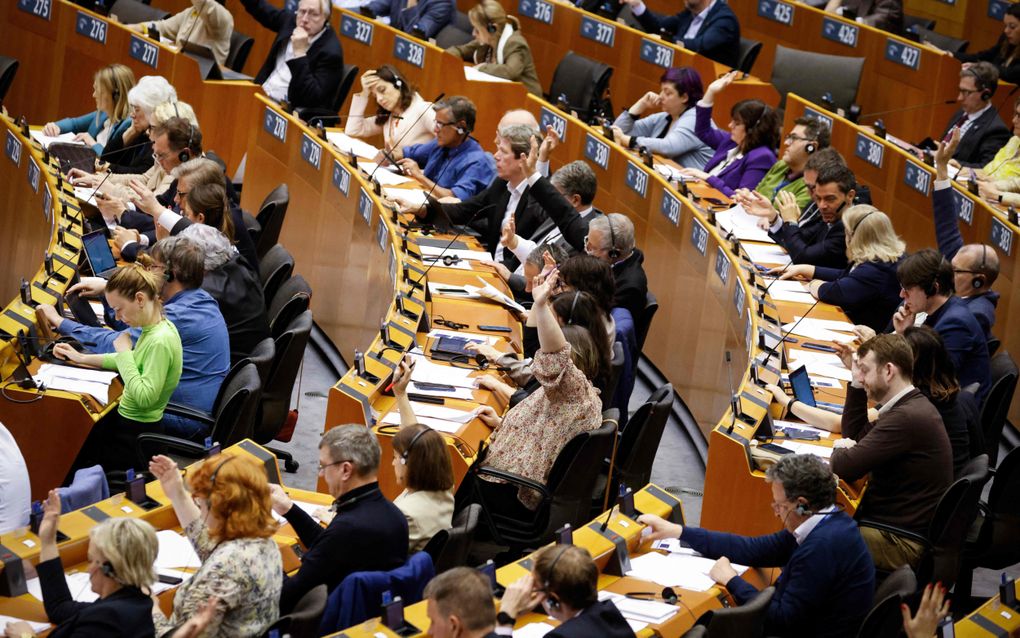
point(807, 448)
point(824, 370)
point(676, 570)
point(439, 425)
point(37, 627)
point(640, 611)
point(450, 290)
point(175, 551)
point(743, 225)
point(427, 372)
point(766, 254)
point(384, 175)
point(826, 324)
point(798, 356)
point(474, 336)
point(535, 629)
point(159, 587)
point(791, 296)
point(408, 197)
point(46, 140)
point(818, 334)
point(455, 393)
point(317, 511)
point(346, 143)
point(778, 423)
point(471, 73)
point(78, 584)
point(95, 383)
point(489, 291)
point(437, 251)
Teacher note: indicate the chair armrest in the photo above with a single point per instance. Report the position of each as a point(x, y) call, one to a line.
point(892, 529)
point(189, 412)
point(515, 479)
point(170, 445)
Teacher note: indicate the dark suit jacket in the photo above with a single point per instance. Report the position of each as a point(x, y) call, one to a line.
point(631, 285)
point(602, 619)
point(827, 582)
point(239, 294)
point(881, 14)
point(484, 212)
point(368, 533)
point(1007, 72)
point(429, 16)
point(965, 342)
point(814, 242)
point(718, 38)
point(869, 293)
point(983, 139)
point(315, 77)
point(126, 612)
point(573, 228)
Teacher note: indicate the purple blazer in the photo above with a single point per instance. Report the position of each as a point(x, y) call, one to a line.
point(743, 173)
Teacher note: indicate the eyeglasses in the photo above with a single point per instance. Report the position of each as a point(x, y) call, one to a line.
point(777, 507)
point(965, 92)
point(441, 124)
point(792, 137)
point(322, 468)
point(811, 187)
point(159, 156)
point(311, 13)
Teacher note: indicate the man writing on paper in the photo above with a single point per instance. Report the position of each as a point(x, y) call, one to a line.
point(827, 580)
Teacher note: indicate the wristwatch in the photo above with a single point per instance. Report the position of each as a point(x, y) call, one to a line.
point(503, 618)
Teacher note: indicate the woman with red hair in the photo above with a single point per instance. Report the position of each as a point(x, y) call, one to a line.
point(227, 515)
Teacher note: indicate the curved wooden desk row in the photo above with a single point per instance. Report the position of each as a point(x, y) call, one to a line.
point(37, 209)
point(979, 21)
point(61, 49)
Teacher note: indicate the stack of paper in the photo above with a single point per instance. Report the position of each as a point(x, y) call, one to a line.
point(78, 584)
point(317, 511)
point(473, 336)
point(645, 612)
point(813, 331)
point(407, 197)
point(345, 143)
point(437, 252)
point(37, 627)
point(427, 372)
point(781, 425)
point(471, 73)
point(766, 254)
point(789, 291)
point(676, 570)
point(175, 551)
point(70, 379)
point(451, 290)
point(742, 225)
point(46, 140)
point(385, 175)
point(807, 448)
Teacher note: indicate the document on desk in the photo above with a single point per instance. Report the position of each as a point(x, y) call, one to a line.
point(175, 551)
point(807, 448)
point(432, 373)
point(95, 383)
point(317, 511)
point(766, 254)
point(346, 144)
point(444, 391)
point(742, 225)
point(78, 583)
point(451, 290)
point(37, 627)
point(676, 570)
point(408, 197)
point(533, 630)
point(489, 291)
point(439, 425)
point(642, 612)
point(436, 332)
point(46, 140)
point(441, 251)
point(779, 423)
point(385, 175)
point(818, 334)
point(791, 295)
point(471, 73)
point(826, 324)
point(796, 355)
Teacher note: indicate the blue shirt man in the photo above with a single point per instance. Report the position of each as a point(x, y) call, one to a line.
point(454, 162)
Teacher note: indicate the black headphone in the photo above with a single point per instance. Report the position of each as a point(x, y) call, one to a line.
point(212, 478)
point(461, 130)
point(810, 148)
point(185, 154)
point(986, 91)
point(802, 510)
point(613, 252)
point(553, 599)
point(573, 304)
point(168, 270)
point(414, 439)
point(860, 221)
point(108, 570)
point(490, 26)
point(978, 282)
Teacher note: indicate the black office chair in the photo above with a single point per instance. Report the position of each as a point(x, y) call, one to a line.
point(451, 547)
point(240, 47)
point(749, 50)
point(697, 631)
point(993, 346)
point(8, 69)
point(884, 618)
point(643, 323)
point(639, 440)
point(274, 405)
point(270, 217)
point(615, 370)
point(327, 115)
point(745, 621)
point(944, 42)
point(583, 82)
point(251, 226)
point(262, 356)
point(303, 621)
point(812, 75)
point(911, 22)
point(346, 82)
point(133, 12)
point(451, 36)
point(292, 299)
point(231, 420)
point(274, 269)
point(995, 409)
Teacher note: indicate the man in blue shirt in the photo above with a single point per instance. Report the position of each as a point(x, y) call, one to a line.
point(195, 314)
point(828, 578)
point(453, 164)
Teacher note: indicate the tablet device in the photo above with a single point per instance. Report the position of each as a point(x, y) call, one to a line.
point(98, 254)
point(801, 384)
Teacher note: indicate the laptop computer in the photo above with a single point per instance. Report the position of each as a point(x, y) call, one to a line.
point(804, 392)
point(98, 254)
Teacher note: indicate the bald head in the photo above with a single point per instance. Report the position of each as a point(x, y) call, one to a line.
point(518, 116)
point(975, 263)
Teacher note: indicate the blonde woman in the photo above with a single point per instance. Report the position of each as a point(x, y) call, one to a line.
point(867, 290)
point(207, 24)
point(110, 88)
point(498, 48)
point(150, 369)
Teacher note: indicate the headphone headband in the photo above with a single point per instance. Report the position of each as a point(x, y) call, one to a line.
point(414, 439)
point(212, 478)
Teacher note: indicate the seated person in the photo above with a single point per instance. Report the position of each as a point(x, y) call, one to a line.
point(452, 164)
point(935, 377)
point(422, 466)
point(982, 131)
point(368, 532)
point(226, 513)
point(827, 579)
point(235, 288)
point(708, 27)
point(745, 155)
point(611, 239)
point(421, 19)
point(110, 88)
point(204, 341)
point(1005, 166)
point(564, 581)
point(670, 132)
point(131, 151)
point(305, 63)
point(1005, 53)
point(150, 367)
point(459, 605)
point(926, 279)
point(530, 435)
point(906, 450)
point(121, 556)
point(809, 135)
point(815, 235)
point(881, 14)
point(867, 290)
point(207, 24)
point(498, 47)
point(975, 266)
point(403, 117)
point(15, 491)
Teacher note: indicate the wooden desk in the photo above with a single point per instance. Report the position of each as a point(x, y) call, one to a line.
point(990, 619)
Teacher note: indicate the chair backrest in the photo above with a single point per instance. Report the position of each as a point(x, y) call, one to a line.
point(240, 47)
point(289, 351)
point(640, 439)
point(643, 323)
point(346, 82)
point(884, 618)
point(944, 42)
point(1000, 535)
point(993, 346)
point(451, 36)
point(749, 50)
point(812, 75)
point(251, 226)
point(293, 298)
point(910, 22)
point(449, 548)
point(583, 82)
point(615, 370)
point(358, 595)
point(996, 405)
point(237, 405)
point(574, 472)
point(270, 217)
point(133, 12)
point(262, 356)
point(303, 621)
point(745, 621)
point(8, 69)
point(274, 269)
point(954, 515)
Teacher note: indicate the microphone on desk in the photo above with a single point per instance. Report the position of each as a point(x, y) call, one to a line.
point(909, 108)
point(734, 399)
point(442, 253)
point(782, 336)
